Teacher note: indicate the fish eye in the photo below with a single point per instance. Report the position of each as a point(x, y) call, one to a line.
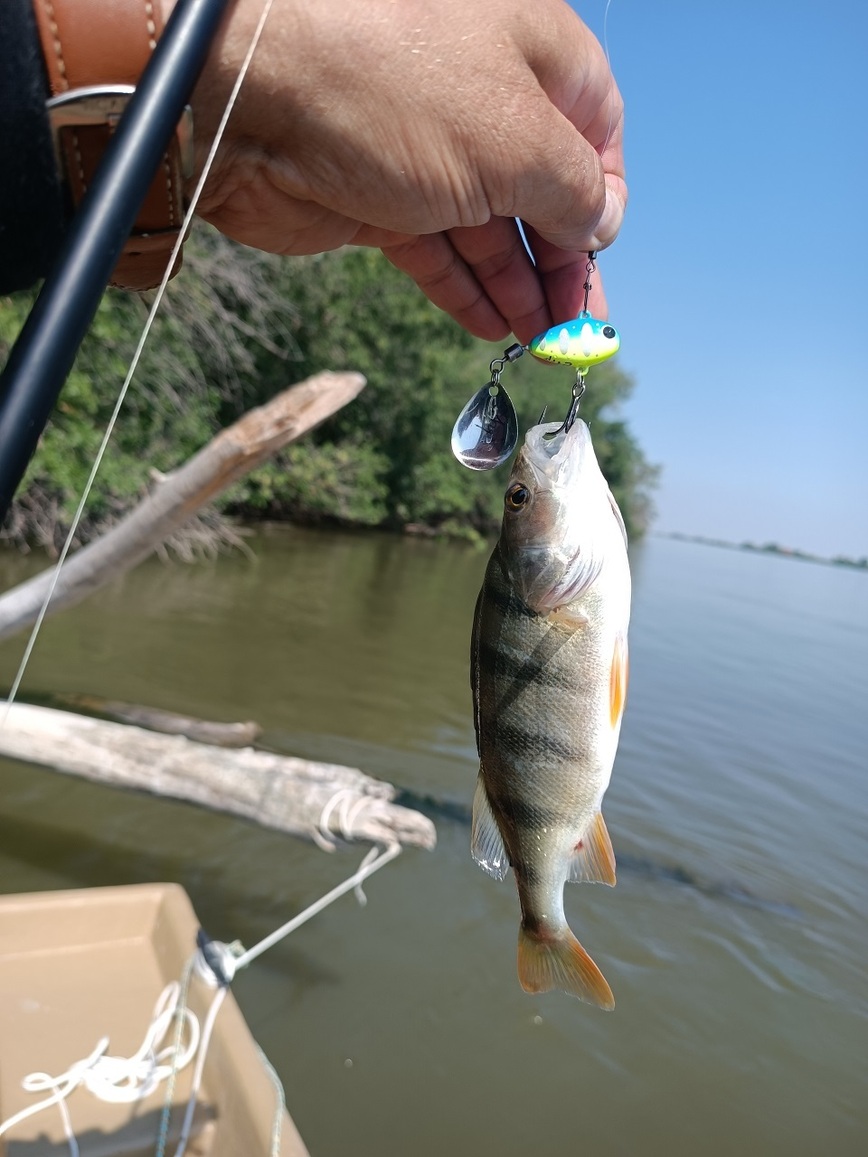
point(517, 496)
point(608, 331)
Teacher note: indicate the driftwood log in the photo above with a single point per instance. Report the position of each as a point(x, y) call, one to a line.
point(156, 719)
point(235, 451)
point(292, 795)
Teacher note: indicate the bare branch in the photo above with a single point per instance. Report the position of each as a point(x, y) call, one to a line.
point(178, 496)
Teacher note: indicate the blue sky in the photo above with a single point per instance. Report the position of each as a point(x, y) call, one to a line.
point(739, 280)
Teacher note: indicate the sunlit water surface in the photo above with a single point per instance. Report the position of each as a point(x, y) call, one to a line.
point(735, 940)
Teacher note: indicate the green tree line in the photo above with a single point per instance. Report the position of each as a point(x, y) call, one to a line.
point(240, 325)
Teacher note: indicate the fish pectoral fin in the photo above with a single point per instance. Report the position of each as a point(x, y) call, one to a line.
point(560, 962)
point(568, 617)
point(618, 679)
point(582, 572)
point(593, 860)
point(486, 842)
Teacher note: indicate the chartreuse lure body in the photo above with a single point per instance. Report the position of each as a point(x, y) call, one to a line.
point(584, 342)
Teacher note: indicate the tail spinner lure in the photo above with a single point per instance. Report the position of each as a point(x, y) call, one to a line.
point(486, 431)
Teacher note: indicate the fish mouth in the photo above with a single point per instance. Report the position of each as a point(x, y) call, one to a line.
point(550, 445)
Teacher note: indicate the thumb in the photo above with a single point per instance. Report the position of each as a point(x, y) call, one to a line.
point(570, 136)
point(564, 189)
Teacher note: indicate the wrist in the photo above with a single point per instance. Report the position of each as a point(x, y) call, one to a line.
point(95, 52)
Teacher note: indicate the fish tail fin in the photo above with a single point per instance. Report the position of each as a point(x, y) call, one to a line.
point(561, 962)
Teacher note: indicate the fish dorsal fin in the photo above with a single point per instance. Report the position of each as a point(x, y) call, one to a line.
point(486, 842)
point(593, 860)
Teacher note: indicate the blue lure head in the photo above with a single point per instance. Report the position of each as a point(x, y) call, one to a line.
point(581, 343)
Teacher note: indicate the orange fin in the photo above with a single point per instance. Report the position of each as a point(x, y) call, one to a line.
point(618, 677)
point(561, 963)
point(593, 861)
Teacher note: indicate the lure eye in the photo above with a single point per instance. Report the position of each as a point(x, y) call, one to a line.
point(608, 331)
point(516, 497)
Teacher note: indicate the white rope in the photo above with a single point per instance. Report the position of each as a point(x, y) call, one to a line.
point(229, 958)
point(348, 805)
point(134, 364)
point(124, 1080)
point(118, 1080)
point(373, 861)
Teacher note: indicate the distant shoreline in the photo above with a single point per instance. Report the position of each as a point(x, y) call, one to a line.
point(768, 548)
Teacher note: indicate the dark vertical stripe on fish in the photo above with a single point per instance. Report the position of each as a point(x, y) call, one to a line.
point(515, 737)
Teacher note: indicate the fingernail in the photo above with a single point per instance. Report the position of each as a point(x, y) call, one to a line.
point(610, 222)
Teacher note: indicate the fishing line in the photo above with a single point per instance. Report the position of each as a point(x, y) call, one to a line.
point(146, 329)
point(609, 129)
point(611, 125)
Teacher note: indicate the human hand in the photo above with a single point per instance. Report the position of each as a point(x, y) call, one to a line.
point(424, 130)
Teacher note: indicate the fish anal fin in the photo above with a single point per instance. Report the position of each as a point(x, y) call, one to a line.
point(618, 678)
point(593, 860)
point(560, 962)
point(486, 842)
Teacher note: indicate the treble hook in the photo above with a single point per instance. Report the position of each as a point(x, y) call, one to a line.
point(573, 411)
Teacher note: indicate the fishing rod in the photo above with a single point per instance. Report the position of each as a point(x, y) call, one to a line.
point(45, 350)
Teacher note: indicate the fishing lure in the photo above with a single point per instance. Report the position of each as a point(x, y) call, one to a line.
point(486, 431)
point(582, 343)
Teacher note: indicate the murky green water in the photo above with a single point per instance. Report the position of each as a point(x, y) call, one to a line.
point(735, 941)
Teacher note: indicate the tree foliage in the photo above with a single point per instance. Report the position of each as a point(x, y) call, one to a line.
point(240, 325)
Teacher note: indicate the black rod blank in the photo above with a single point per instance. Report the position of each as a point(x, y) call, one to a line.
point(45, 350)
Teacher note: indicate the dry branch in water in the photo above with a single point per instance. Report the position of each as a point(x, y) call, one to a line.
point(218, 733)
point(292, 795)
point(233, 453)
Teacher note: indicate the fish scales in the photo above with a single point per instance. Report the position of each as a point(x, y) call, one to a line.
point(549, 677)
point(541, 677)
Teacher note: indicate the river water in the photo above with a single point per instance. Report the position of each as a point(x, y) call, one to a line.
point(735, 941)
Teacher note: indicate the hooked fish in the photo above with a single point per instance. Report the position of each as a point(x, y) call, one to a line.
point(549, 677)
point(584, 342)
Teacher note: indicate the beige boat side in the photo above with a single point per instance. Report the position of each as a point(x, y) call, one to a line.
point(79, 965)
